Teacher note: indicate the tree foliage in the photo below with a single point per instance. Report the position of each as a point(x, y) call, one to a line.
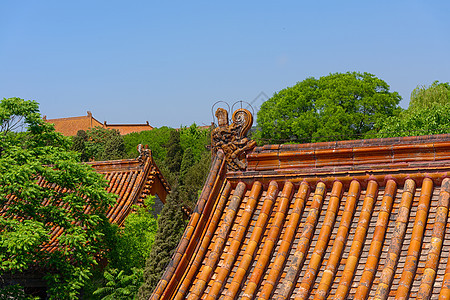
point(193, 179)
point(174, 154)
point(333, 107)
point(15, 112)
point(170, 228)
point(182, 156)
point(428, 113)
point(79, 144)
point(156, 139)
point(132, 243)
point(119, 285)
point(423, 96)
point(37, 154)
point(128, 247)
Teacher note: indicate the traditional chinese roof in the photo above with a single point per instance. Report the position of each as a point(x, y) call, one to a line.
point(339, 220)
point(132, 180)
point(128, 128)
point(70, 126)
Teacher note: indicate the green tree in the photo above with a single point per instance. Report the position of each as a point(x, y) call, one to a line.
point(133, 242)
point(26, 159)
point(423, 96)
point(156, 139)
point(15, 292)
point(428, 113)
point(104, 144)
point(174, 152)
point(128, 248)
point(194, 179)
point(429, 120)
point(186, 163)
point(196, 138)
point(170, 228)
point(119, 285)
point(333, 107)
point(79, 144)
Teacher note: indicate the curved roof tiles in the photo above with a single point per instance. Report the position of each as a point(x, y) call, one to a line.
point(343, 220)
point(132, 180)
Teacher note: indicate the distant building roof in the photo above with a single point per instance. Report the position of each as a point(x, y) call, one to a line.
point(336, 220)
point(70, 126)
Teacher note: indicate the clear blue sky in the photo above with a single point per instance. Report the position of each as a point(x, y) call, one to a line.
point(169, 62)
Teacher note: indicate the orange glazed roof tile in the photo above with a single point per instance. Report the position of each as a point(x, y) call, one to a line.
point(342, 220)
point(128, 128)
point(70, 126)
point(132, 180)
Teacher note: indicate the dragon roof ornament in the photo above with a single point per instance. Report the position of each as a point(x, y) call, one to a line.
point(232, 138)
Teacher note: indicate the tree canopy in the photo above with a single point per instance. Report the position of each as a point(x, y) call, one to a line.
point(423, 96)
point(36, 167)
point(99, 143)
point(334, 107)
point(428, 113)
point(170, 229)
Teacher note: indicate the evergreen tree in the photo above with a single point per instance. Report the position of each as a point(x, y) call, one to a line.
point(105, 144)
point(187, 162)
point(174, 152)
point(79, 144)
point(194, 179)
point(170, 228)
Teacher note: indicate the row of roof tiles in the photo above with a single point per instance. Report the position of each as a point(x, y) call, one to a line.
point(281, 230)
point(132, 180)
point(71, 125)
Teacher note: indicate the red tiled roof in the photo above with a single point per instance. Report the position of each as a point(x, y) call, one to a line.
point(132, 180)
point(343, 220)
point(128, 128)
point(70, 126)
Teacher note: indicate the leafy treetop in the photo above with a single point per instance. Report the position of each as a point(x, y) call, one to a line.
point(428, 113)
point(423, 96)
point(75, 202)
point(333, 107)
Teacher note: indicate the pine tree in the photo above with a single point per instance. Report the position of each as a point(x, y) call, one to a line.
point(174, 152)
point(79, 144)
point(187, 162)
point(170, 228)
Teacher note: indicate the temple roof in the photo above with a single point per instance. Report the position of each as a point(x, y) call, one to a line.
point(70, 126)
point(336, 220)
point(132, 180)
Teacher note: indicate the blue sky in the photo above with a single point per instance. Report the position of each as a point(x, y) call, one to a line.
point(169, 62)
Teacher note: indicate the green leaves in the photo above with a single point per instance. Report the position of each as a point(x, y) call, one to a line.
point(334, 107)
point(428, 113)
point(170, 228)
point(52, 207)
point(119, 285)
point(434, 119)
point(17, 240)
point(423, 97)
